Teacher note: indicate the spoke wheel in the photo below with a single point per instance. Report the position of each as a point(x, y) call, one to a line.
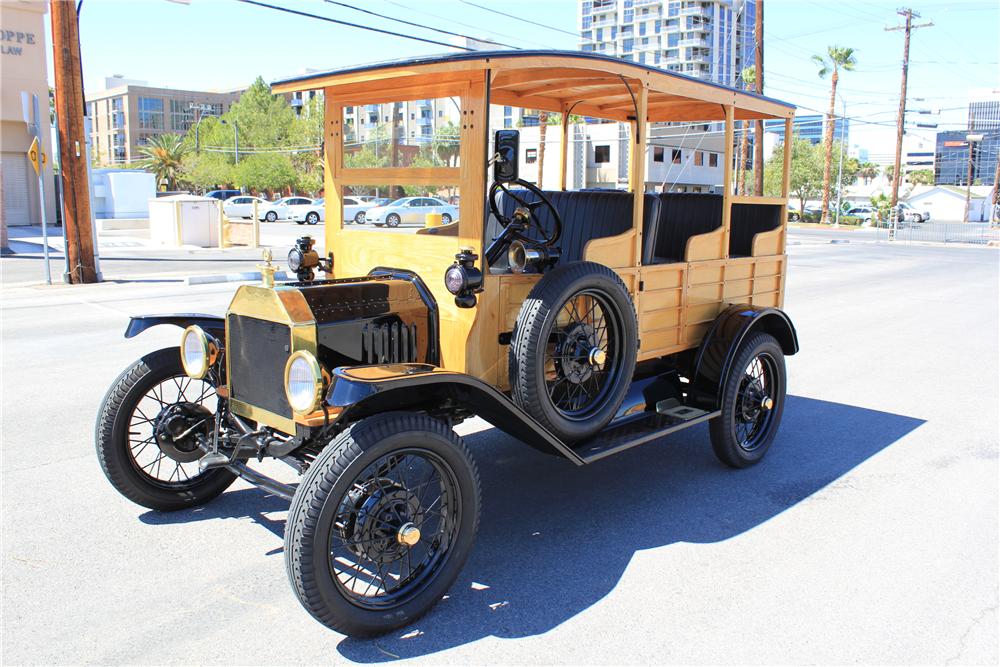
point(753, 399)
point(574, 349)
point(382, 523)
point(147, 434)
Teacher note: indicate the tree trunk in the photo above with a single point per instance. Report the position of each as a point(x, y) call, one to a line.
point(543, 122)
point(828, 150)
point(741, 166)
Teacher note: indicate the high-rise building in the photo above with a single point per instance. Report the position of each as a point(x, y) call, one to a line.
point(128, 113)
point(710, 40)
point(812, 128)
point(951, 157)
point(984, 109)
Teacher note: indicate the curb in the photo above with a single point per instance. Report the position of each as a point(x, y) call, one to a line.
point(246, 276)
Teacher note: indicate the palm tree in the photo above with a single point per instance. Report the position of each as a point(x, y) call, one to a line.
point(543, 122)
point(162, 155)
point(749, 78)
point(837, 58)
point(869, 172)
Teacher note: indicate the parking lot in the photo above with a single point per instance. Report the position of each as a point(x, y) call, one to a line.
point(869, 534)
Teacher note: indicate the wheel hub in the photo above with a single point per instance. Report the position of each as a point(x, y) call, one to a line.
point(755, 400)
point(178, 428)
point(580, 354)
point(386, 521)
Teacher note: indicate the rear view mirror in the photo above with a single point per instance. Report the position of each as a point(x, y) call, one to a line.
point(506, 144)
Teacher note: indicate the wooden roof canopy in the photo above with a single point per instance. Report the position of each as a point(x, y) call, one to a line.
point(582, 83)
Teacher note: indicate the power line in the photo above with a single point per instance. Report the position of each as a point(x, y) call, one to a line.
point(353, 25)
point(518, 18)
point(417, 25)
point(424, 12)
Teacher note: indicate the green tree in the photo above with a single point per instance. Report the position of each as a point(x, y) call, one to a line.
point(882, 205)
point(162, 155)
point(806, 171)
point(921, 177)
point(837, 58)
point(266, 172)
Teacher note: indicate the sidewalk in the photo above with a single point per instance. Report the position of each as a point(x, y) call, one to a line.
point(137, 259)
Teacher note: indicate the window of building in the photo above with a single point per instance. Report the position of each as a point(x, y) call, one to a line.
point(657, 153)
point(440, 113)
point(426, 130)
point(181, 117)
point(585, 7)
point(713, 159)
point(150, 113)
point(696, 188)
point(531, 155)
point(627, 45)
point(673, 8)
point(586, 22)
point(642, 58)
point(599, 34)
point(602, 154)
point(673, 39)
point(508, 123)
point(628, 15)
point(642, 28)
point(675, 155)
point(699, 159)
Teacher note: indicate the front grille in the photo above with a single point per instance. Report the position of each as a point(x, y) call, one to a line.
point(389, 343)
point(258, 351)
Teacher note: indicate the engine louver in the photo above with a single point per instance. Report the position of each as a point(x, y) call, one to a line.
point(389, 343)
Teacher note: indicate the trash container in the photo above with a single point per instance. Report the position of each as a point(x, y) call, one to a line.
point(179, 220)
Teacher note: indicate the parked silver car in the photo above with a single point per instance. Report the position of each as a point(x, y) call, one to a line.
point(411, 211)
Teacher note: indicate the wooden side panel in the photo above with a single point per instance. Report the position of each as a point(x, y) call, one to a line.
point(614, 251)
point(710, 245)
point(660, 309)
point(768, 243)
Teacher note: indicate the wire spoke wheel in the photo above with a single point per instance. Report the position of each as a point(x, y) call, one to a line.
point(162, 427)
point(582, 356)
point(752, 401)
point(393, 528)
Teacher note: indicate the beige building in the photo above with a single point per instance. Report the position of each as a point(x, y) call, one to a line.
point(127, 113)
point(23, 59)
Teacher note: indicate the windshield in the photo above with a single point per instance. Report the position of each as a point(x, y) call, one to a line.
point(399, 202)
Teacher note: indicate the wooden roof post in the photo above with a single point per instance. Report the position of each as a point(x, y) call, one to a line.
point(333, 161)
point(564, 148)
point(637, 170)
point(727, 179)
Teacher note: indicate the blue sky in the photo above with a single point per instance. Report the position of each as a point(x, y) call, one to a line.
point(217, 44)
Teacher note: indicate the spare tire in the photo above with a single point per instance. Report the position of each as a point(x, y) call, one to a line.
point(573, 349)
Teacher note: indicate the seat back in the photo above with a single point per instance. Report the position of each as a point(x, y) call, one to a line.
point(681, 215)
point(585, 215)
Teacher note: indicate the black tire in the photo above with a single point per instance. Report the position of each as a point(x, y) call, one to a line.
point(554, 402)
point(359, 218)
point(793, 217)
point(392, 220)
point(115, 447)
point(312, 217)
point(445, 219)
point(332, 483)
point(744, 431)
point(271, 216)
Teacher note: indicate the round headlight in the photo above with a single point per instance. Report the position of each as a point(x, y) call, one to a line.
point(295, 258)
point(195, 352)
point(303, 382)
point(455, 279)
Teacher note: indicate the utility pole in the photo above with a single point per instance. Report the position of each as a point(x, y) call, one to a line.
point(758, 144)
point(970, 140)
point(77, 225)
point(908, 27)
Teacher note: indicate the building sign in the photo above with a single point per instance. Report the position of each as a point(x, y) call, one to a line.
point(955, 144)
point(12, 41)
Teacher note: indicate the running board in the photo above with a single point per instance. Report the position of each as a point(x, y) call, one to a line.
point(670, 417)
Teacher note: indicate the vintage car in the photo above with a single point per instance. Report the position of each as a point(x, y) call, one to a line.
point(581, 323)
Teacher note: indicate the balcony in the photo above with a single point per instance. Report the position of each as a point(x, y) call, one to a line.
point(695, 11)
point(697, 41)
point(603, 21)
point(644, 3)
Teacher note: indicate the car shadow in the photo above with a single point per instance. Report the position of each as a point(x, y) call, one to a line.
point(554, 539)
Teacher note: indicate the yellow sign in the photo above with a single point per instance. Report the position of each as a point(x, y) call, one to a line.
point(33, 155)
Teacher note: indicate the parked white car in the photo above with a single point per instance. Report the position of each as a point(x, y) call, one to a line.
point(242, 206)
point(411, 211)
point(279, 210)
point(913, 214)
point(356, 208)
point(354, 211)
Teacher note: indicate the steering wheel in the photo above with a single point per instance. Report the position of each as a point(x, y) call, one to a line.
point(524, 218)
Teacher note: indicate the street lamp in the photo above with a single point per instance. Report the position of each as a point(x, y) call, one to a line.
point(971, 139)
point(236, 138)
point(840, 167)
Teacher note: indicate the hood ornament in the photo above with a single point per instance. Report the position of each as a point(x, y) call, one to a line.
point(267, 270)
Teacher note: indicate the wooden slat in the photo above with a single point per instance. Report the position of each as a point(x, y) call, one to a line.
point(402, 176)
point(727, 181)
point(753, 199)
point(637, 169)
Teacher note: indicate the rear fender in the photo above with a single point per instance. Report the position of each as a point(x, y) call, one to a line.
point(212, 324)
point(359, 391)
point(718, 349)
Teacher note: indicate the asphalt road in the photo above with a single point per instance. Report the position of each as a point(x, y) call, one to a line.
point(868, 535)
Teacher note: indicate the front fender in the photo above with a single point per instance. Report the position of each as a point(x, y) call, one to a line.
point(718, 349)
point(212, 324)
point(360, 391)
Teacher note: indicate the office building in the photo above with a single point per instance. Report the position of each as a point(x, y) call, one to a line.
point(811, 128)
point(951, 158)
point(126, 114)
point(984, 109)
point(710, 40)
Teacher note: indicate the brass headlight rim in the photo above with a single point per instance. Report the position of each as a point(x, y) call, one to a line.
point(206, 349)
point(317, 373)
